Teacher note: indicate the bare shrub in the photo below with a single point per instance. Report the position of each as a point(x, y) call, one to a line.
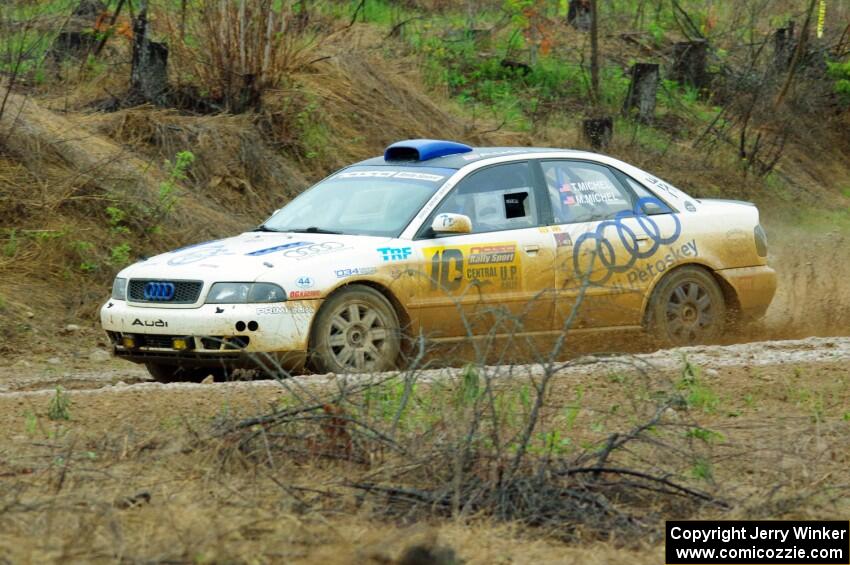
point(516, 443)
point(237, 50)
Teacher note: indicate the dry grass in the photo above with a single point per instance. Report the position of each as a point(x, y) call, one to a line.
point(138, 474)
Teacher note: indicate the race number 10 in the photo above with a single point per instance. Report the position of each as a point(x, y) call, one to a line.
point(446, 269)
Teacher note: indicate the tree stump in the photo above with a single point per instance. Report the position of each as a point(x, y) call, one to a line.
point(89, 9)
point(598, 131)
point(578, 14)
point(249, 96)
point(783, 47)
point(689, 63)
point(517, 67)
point(72, 44)
point(149, 75)
point(76, 39)
point(640, 99)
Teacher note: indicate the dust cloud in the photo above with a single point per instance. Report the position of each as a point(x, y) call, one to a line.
point(813, 293)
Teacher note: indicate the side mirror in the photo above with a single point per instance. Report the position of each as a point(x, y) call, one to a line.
point(451, 223)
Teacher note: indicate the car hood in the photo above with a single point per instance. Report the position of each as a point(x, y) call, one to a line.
point(249, 256)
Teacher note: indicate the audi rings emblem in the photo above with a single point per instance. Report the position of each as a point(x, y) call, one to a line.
point(159, 291)
point(597, 244)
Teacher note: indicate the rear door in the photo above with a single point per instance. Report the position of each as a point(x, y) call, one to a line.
point(499, 279)
point(608, 240)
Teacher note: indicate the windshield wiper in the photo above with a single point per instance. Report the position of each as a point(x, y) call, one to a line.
point(314, 229)
point(264, 227)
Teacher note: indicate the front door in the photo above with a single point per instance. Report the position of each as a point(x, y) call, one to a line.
point(497, 280)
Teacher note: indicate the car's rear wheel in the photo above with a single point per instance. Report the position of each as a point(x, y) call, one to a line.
point(686, 308)
point(174, 373)
point(356, 331)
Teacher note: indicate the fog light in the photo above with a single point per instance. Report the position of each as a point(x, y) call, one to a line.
point(180, 343)
point(128, 341)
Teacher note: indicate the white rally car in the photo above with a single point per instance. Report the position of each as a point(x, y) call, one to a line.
point(450, 242)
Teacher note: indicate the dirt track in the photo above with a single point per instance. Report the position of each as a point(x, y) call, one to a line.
point(115, 375)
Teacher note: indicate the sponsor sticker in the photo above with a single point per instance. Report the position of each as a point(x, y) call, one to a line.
point(342, 273)
point(495, 266)
point(675, 255)
point(289, 309)
point(301, 294)
point(446, 220)
point(395, 253)
point(589, 192)
point(199, 254)
point(669, 189)
point(304, 282)
point(563, 240)
point(492, 254)
point(314, 249)
point(391, 174)
point(277, 248)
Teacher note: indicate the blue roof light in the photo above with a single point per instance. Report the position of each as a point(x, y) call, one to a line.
point(423, 149)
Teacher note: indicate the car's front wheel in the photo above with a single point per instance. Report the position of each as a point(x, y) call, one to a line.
point(356, 331)
point(686, 308)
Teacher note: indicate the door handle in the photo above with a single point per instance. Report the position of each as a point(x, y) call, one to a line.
point(531, 249)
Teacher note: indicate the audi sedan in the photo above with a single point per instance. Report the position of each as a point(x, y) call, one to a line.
point(439, 240)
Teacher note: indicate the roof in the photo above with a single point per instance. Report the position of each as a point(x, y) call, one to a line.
point(458, 160)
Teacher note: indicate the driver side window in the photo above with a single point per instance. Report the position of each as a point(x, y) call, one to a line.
point(496, 198)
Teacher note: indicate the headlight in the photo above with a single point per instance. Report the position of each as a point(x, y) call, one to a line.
point(119, 289)
point(245, 293)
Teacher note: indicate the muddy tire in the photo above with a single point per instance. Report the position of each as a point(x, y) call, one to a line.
point(687, 307)
point(356, 331)
point(175, 373)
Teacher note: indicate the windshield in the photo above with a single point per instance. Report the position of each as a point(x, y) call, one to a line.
point(361, 200)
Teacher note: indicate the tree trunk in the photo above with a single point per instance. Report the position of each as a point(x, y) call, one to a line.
point(598, 132)
point(783, 46)
point(249, 96)
point(578, 14)
point(640, 99)
point(594, 53)
point(799, 51)
point(689, 61)
point(149, 75)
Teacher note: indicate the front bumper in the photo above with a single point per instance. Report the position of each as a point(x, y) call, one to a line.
point(754, 287)
point(212, 335)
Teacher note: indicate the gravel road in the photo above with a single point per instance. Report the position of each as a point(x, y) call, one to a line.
point(39, 378)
